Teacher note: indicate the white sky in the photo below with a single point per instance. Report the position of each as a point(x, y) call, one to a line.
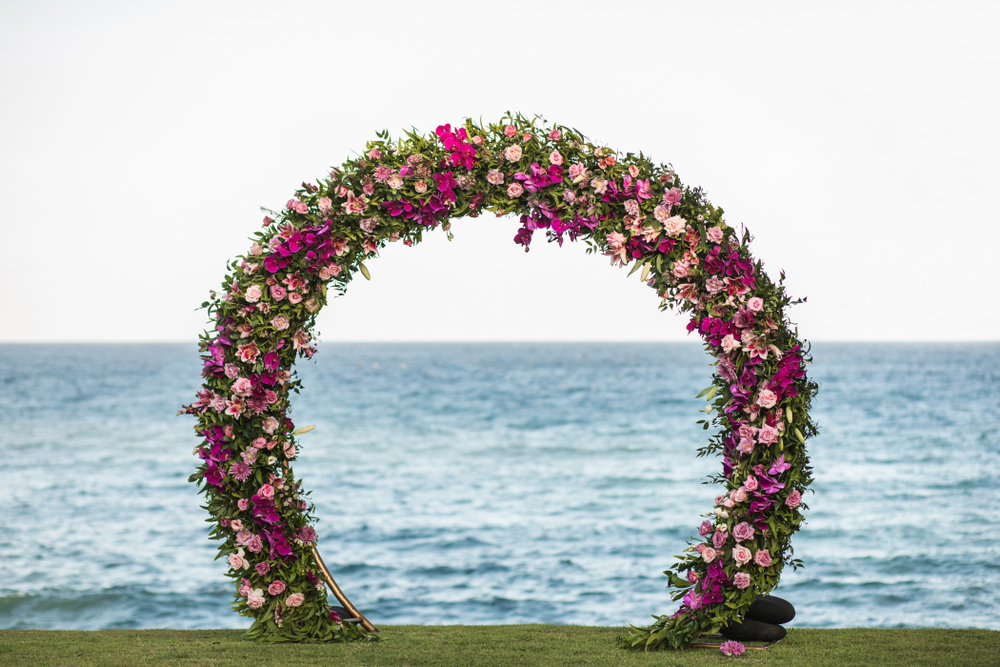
point(859, 142)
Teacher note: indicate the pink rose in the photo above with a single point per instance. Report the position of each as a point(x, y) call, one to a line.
point(755, 304)
point(420, 187)
point(514, 190)
point(767, 399)
point(729, 503)
point(270, 425)
point(679, 271)
point(254, 292)
point(611, 159)
point(266, 491)
point(793, 499)
point(259, 443)
point(242, 387)
point(510, 130)
point(279, 322)
point(295, 297)
point(692, 576)
point(709, 554)
point(324, 205)
point(742, 580)
point(289, 450)
point(295, 600)
point(478, 140)
point(719, 539)
point(705, 529)
point(746, 446)
point(675, 225)
point(743, 532)
point(741, 555)
point(527, 137)
point(277, 292)
point(714, 234)
point(555, 135)
point(235, 561)
point(262, 568)
point(750, 483)
point(256, 599)
point(729, 343)
point(243, 504)
point(494, 177)
point(762, 558)
point(236, 525)
point(555, 157)
point(768, 435)
point(740, 494)
point(633, 170)
point(255, 544)
point(245, 588)
point(512, 153)
point(277, 587)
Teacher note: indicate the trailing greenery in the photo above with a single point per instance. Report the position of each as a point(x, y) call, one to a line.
point(496, 646)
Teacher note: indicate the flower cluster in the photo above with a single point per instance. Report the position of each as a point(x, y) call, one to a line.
point(559, 184)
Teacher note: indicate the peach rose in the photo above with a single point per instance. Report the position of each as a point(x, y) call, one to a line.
point(555, 157)
point(512, 153)
point(741, 555)
point(675, 226)
point(767, 399)
point(755, 304)
point(295, 600)
point(254, 292)
point(256, 599)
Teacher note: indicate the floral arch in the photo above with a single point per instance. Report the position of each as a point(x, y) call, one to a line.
point(623, 207)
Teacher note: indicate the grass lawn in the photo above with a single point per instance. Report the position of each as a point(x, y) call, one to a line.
point(502, 645)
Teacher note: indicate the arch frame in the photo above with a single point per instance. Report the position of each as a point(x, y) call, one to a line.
point(622, 206)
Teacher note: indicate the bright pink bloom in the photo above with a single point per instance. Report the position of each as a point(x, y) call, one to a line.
point(755, 304)
point(510, 131)
point(732, 648)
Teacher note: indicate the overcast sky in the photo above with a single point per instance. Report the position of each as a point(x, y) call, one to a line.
point(858, 142)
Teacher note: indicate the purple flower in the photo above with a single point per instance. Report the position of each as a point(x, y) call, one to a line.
point(732, 648)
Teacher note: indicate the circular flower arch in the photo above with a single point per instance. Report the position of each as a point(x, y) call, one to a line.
point(621, 206)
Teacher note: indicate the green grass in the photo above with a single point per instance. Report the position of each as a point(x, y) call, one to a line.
point(502, 645)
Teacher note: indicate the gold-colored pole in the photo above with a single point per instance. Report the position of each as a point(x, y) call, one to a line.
point(339, 594)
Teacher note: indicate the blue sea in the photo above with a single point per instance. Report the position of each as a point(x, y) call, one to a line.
point(497, 483)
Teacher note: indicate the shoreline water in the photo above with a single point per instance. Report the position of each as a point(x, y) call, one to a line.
point(497, 483)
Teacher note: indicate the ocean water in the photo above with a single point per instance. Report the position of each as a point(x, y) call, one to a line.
point(497, 483)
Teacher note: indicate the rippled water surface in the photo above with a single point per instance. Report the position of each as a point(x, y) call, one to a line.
point(497, 483)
